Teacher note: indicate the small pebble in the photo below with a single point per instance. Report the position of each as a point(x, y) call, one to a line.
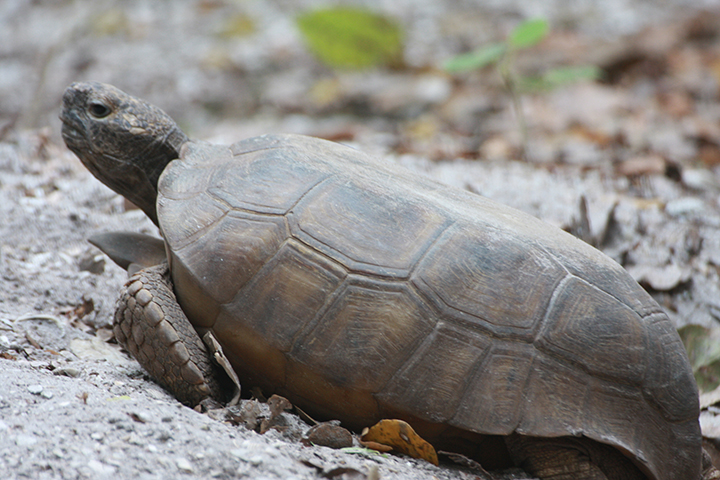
point(35, 389)
point(184, 465)
point(684, 206)
point(157, 394)
point(699, 179)
point(100, 468)
point(329, 435)
point(247, 456)
point(134, 439)
point(141, 417)
point(46, 394)
point(238, 453)
point(24, 440)
point(67, 371)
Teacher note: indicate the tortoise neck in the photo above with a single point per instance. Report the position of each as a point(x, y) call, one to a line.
point(153, 162)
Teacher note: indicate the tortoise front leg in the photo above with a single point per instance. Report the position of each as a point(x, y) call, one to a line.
point(151, 325)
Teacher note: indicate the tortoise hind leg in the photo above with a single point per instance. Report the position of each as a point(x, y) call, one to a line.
point(151, 325)
point(570, 458)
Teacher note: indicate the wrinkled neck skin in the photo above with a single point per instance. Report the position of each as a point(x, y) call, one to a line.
point(125, 142)
point(135, 174)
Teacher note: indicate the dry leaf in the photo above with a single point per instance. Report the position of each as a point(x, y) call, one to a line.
point(277, 406)
point(401, 436)
point(660, 278)
point(247, 416)
point(642, 165)
point(467, 462)
point(709, 424)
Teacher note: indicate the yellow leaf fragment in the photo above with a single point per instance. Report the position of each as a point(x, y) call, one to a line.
point(119, 398)
point(379, 447)
point(400, 436)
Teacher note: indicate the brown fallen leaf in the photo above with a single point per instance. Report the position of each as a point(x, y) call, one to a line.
point(642, 165)
point(277, 406)
point(467, 462)
point(401, 436)
point(342, 473)
point(86, 307)
point(245, 414)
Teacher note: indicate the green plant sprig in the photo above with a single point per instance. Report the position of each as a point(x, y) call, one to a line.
point(502, 54)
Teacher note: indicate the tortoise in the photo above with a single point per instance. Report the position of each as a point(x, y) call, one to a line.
point(360, 291)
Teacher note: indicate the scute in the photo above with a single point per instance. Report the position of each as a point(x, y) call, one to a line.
point(285, 296)
point(370, 227)
point(193, 173)
point(258, 176)
point(436, 387)
point(671, 392)
point(220, 263)
point(493, 284)
point(365, 335)
point(494, 399)
point(554, 386)
point(585, 326)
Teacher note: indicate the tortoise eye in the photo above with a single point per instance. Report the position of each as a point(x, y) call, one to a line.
point(98, 110)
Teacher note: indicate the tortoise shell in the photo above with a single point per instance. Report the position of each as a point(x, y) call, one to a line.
point(361, 291)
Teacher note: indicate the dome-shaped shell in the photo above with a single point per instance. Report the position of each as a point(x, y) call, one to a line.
point(358, 289)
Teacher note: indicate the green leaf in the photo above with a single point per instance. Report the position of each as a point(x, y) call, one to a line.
point(564, 75)
point(475, 60)
point(528, 33)
point(708, 376)
point(558, 77)
point(352, 37)
point(368, 452)
point(703, 348)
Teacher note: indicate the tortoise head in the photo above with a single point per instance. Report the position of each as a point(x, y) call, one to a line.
point(125, 142)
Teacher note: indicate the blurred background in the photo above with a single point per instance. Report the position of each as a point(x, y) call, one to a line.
point(234, 60)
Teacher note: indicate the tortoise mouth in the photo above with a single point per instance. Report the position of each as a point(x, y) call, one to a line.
point(72, 130)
